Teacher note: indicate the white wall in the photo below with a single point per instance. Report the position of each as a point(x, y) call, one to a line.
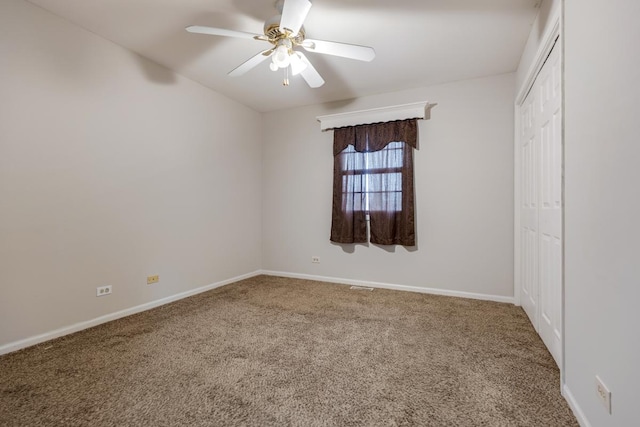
point(464, 193)
point(602, 173)
point(113, 168)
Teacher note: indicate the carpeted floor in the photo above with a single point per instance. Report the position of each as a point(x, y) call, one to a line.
point(271, 351)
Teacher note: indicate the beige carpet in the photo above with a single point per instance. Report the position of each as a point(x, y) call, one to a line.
point(270, 351)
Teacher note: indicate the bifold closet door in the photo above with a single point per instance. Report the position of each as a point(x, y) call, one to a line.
point(541, 209)
point(529, 153)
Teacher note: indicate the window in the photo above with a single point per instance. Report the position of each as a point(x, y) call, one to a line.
point(373, 178)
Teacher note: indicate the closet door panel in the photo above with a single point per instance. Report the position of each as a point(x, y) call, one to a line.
point(550, 208)
point(541, 245)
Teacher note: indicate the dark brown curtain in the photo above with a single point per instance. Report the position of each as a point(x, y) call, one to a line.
point(373, 171)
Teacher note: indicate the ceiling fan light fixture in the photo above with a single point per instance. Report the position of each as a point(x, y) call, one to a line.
point(281, 56)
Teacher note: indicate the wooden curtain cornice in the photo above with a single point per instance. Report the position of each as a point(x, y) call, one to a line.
point(417, 110)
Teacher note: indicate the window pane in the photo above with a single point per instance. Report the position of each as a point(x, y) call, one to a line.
point(385, 202)
point(353, 193)
point(384, 182)
point(351, 160)
point(353, 183)
point(389, 157)
point(372, 181)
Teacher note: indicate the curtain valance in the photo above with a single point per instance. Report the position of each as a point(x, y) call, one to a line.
point(374, 137)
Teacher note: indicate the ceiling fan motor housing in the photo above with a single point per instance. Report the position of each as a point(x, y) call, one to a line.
point(272, 31)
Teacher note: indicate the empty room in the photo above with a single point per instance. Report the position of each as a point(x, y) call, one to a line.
point(319, 213)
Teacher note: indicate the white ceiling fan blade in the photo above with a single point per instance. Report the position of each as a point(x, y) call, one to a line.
point(251, 63)
point(294, 13)
point(345, 50)
point(221, 32)
point(309, 74)
point(297, 64)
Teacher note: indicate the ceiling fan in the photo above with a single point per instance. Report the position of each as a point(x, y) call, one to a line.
point(286, 33)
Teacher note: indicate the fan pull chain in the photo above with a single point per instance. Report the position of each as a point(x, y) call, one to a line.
point(285, 82)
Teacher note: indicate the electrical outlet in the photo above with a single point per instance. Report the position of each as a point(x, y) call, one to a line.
point(103, 290)
point(153, 279)
point(603, 394)
point(315, 259)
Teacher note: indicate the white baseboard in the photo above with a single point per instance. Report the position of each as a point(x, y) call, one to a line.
point(434, 291)
point(573, 404)
point(27, 342)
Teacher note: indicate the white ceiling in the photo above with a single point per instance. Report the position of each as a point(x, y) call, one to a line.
point(418, 42)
